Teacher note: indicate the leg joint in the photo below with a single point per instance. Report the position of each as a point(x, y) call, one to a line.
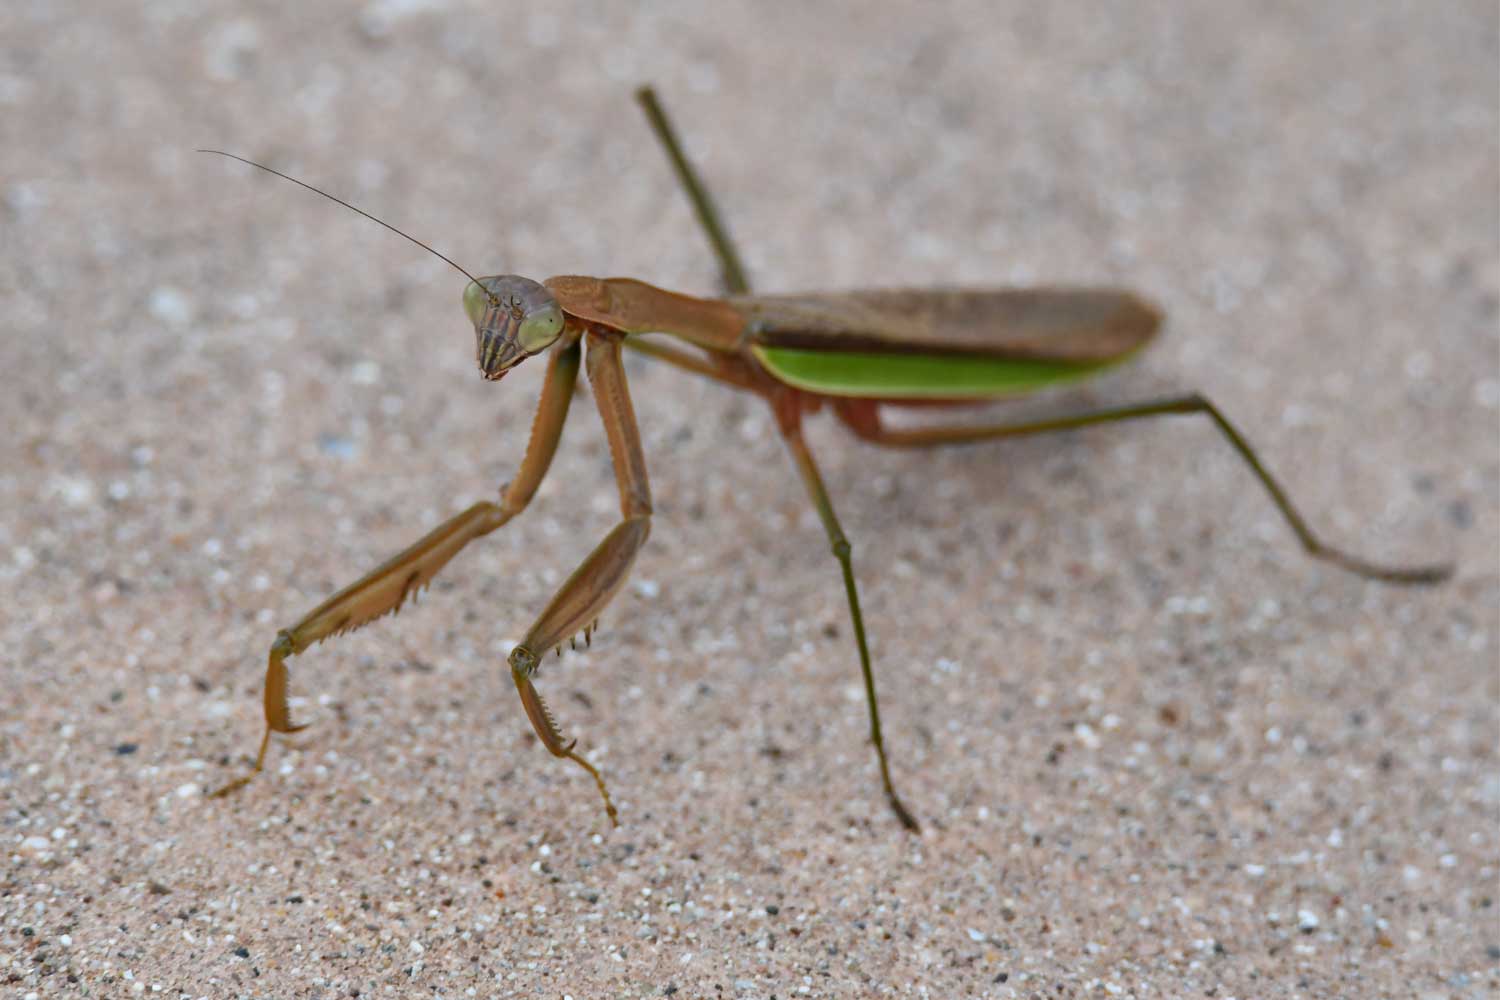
point(1198, 403)
point(637, 507)
point(842, 550)
point(523, 662)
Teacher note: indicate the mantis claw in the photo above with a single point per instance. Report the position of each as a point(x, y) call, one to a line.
point(523, 664)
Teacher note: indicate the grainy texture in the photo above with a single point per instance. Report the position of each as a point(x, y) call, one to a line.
point(1158, 752)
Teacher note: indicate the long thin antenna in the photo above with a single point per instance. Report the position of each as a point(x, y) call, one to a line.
point(287, 177)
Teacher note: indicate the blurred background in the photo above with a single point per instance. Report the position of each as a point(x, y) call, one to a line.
point(1157, 749)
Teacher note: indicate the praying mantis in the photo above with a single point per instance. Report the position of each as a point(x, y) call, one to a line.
point(855, 353)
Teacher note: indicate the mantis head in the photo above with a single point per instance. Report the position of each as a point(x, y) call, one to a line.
point(513, 319)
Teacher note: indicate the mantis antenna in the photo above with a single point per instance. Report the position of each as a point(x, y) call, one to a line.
point(314, 190)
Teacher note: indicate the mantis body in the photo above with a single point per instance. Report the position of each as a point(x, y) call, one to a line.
point(855, 353)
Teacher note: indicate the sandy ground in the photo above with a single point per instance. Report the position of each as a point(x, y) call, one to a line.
point(1158, 751)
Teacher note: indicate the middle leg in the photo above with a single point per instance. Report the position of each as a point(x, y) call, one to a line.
point(789, 418)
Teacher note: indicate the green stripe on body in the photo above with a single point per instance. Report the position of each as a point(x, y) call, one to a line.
point(875, 375)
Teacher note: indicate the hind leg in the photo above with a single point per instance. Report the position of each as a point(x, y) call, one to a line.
point(863, 417)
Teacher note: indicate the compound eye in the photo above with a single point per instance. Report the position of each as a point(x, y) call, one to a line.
point(477, 301)
point(541, 328)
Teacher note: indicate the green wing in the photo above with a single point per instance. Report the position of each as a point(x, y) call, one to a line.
point(915, 376)
point(945, 343)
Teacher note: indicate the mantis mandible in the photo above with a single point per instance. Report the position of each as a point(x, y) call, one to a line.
point(856, 353)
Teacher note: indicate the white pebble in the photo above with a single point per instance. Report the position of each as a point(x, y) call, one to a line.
point(170, 305)
point(365, 373)
point(75, 491)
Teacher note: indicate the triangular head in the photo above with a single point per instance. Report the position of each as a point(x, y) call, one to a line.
point(514, 318)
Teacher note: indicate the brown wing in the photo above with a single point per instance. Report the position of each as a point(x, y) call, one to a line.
point(1083, 325)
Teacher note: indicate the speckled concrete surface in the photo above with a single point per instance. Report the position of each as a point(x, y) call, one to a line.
point(1158, 752)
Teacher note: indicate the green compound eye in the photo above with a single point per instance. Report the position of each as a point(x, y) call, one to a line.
point(541, 328)
point(476, 301)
